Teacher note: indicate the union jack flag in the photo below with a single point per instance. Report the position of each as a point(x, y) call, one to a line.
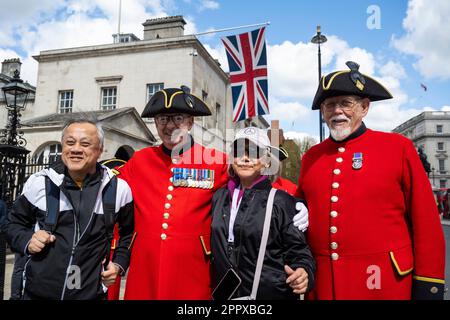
point(247, 61)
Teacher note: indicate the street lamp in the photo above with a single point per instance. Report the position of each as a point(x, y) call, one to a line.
point(12, 154)
point(15, 94)
point(318, 39)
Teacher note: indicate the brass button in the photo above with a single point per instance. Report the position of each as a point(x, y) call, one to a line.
point(341, 149)
point(334, 199)
point(333, 214)
point(334, 245)
point(339, 160)
point(335, 185)
point(334, 256)
point(333, 229)
point(166, 215)
point(434, 290)
point(174, 160)
point(165, 226)
point(169, 197)
point(337, 171)
point(163, 236)
point(170, 188)
point(167, 206)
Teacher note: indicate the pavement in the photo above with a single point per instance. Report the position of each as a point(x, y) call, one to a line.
point(445, 227)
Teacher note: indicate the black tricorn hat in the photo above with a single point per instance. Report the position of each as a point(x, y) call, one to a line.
point(175, 100)
point(280, 153)
point(349, 82)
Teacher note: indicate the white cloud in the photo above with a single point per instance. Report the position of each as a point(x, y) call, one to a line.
point(208, 5)
point(288, 111)
point(427, 37)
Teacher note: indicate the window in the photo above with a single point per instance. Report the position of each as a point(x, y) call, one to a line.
point(442, 183)
point(153, 88)
point(217, 115)
point(439, 128)
point(49, 154)
point(109, 98)
point(441, 165)
point(65, 101)
point(440, 146)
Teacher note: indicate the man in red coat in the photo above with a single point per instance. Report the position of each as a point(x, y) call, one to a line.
point(374, 228)
point(172, 186)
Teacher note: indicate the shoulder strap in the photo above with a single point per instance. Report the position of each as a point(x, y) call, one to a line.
point(262, 247)
point(52, 199)
point(109, 209)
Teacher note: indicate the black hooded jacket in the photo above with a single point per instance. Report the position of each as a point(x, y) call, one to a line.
point(285, 245)
point(71, 266)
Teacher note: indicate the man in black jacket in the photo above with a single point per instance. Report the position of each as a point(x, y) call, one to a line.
point(68, 257)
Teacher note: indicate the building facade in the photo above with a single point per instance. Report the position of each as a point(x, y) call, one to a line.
point(430, 131)
point(125, 74)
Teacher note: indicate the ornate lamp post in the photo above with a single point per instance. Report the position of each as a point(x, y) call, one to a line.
point(12, 154)
point(318, 39)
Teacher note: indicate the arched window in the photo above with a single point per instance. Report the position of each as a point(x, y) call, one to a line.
point(49, 154)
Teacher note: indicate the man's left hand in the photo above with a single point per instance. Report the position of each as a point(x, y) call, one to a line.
point(301, 218)
point(109, 276)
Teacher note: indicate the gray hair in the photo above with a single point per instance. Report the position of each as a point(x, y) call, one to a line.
point(86, 118)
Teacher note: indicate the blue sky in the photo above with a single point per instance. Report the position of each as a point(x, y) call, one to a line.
point(410, 46)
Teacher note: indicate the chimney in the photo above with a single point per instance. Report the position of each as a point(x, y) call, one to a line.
point(167, 27)
point(11, 65)
point(275, 133)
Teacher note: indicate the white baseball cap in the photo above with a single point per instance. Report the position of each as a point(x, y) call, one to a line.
point(256, 135)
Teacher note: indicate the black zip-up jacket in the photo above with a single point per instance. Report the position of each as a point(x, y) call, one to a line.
point(285, 244)
point(70, 267)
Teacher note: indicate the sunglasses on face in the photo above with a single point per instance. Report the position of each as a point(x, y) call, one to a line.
point(248, 149)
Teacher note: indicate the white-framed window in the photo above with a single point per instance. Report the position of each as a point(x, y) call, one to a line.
point(65, 101)
point(109, 98)
point(439, 128)
point(443, 183)
point(440, 146)
point(49, 154)
point(153, 88)
point(441, 165)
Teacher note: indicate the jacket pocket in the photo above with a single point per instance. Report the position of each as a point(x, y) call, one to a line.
point(403, 260)
point(205, 241)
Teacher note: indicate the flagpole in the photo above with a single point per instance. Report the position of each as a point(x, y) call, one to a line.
point(229, 29)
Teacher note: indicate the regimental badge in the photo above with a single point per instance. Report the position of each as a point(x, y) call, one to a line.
point(193, 178)
point(357, 160)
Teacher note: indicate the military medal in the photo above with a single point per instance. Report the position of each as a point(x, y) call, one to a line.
point(183, 181)
point(357, 160)
point(176, 177)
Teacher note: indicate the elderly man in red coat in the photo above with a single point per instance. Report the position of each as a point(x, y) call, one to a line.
point(173, 185)
point(374, 228)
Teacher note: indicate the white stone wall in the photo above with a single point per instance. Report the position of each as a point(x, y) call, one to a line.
point(137, 69)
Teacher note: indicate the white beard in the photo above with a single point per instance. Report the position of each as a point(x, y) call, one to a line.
point(340, 134)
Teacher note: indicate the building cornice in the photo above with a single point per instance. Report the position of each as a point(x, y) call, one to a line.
point(131, 47)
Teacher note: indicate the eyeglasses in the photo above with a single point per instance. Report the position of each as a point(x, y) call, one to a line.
point(177, 119)
point(345, 104)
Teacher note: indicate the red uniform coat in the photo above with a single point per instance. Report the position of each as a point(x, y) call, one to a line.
point(285, 185)
point(371, 229)
point(170, 258)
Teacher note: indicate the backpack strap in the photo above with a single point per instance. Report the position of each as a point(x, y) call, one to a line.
point(109, 209)
point(52, 199)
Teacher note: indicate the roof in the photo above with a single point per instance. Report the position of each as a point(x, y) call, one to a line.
point(59, 118)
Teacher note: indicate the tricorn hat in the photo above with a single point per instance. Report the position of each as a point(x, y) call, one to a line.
point(175, 100)
point(349, 82)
